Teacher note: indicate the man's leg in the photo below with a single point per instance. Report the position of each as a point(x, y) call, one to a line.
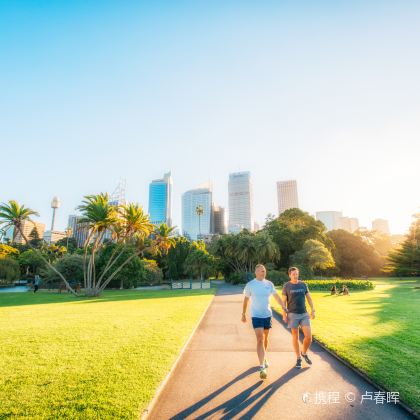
point(308, 338)
point(259, 333)
point(266, 332)
point(295, 339)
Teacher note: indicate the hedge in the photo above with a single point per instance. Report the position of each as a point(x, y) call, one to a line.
point(326, 285)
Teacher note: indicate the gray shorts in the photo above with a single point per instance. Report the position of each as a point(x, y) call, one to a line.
point(294, 320)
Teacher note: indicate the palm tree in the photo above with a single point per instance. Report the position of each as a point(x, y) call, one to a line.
point(99, 215)
point(12, 214)
point(163, 237)
point(199, 212)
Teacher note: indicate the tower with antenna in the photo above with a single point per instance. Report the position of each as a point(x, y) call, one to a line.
point(55, 204)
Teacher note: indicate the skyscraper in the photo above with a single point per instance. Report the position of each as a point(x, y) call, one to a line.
point(381, 225)
point(219, 220)
point(194, 224)
point(241, 213)
point(331, 219)
point(287, 195)
point(160, 200)
point(79, 230)
point(27, 228)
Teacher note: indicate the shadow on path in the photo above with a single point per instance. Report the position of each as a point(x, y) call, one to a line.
point(242, 401)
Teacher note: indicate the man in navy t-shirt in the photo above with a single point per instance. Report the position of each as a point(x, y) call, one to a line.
point(294, 294)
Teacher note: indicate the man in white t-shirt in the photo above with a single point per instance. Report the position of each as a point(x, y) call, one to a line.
point(259, 291)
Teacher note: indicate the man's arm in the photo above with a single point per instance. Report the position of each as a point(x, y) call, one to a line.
point(244, 306)
point(311, 304)
point(280, 301)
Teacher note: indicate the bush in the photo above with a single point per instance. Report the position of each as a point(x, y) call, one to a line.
point(70, 266)
point(238, 277)
point(152, 273)
point(9, 270)
point(325, 285)
point(277, 277)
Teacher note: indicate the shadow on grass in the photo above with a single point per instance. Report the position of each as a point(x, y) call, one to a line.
point(45, 297)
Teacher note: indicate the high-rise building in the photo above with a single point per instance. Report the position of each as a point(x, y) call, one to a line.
point(28, 227)
point(197, 223)
point(287, 195)
point(53, 236)
point(79, 230)
point(381, 225)
point(331, 219)
point(345, 223)
point(219, 220)
point(241, 212)
point(160, 200)
point(354, 224)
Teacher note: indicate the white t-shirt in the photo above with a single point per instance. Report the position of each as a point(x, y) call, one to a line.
point(260, 291)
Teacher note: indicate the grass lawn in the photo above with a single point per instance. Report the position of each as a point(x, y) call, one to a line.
point(378, 331)
point(67, 357)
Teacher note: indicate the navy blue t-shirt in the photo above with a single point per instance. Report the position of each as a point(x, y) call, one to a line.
point(296, 294)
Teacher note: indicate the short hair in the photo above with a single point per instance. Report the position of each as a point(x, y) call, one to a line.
point(292, 269)
point(259, 266)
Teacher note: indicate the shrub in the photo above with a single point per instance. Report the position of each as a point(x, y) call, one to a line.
point(277, 277)
point(238, 277)
point(325, 285)
point(9, 270)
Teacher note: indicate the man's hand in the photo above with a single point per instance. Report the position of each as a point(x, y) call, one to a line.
point(243, 318)
point(313, 314)
point(285, 318)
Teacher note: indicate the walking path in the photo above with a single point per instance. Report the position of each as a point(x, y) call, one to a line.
point(217, 377)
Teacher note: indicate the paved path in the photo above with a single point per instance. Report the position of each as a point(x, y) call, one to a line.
point(216, 378)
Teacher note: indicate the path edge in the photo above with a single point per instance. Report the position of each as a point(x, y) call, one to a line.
point(362, 374)
point(161, 386)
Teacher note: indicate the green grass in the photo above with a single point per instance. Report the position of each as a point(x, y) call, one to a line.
point(83, 358)
point(377, 331)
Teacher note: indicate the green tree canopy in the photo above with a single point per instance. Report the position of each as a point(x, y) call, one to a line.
point(353, 256)
point(405, 261)
point(290, 231)
point(9, 270)
point(314, 255)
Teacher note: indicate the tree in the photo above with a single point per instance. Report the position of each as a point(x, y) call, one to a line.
point(71, 266)
point(314, 255)
point(405, 261)
point(8, 251)
point(128, 225)
point(69, 243)
point(14, 215)
point(174, 260)
point(290, 231)
point(34, 238)
point(131, 275)
point(9, 270)
point(31, 262)
point(199, 262)
point(353, 256)
point(241, 252)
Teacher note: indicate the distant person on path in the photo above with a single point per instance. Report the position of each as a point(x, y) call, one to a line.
point(294, 294)
point(37, 282)
point(259, 291)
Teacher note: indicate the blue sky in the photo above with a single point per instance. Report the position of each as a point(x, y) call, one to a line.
point(327, 93)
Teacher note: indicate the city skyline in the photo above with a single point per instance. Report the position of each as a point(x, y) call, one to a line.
point(206, 92)
point(340, 222)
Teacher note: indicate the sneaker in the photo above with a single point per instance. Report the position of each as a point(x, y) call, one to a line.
point(299, 363)
point(307, 359)
point(263, 373)
point(266, 363)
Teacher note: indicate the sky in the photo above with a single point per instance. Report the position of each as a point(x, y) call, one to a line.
point(327, 93)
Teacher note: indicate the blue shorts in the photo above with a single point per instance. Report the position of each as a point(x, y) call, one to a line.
point(262, 323)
